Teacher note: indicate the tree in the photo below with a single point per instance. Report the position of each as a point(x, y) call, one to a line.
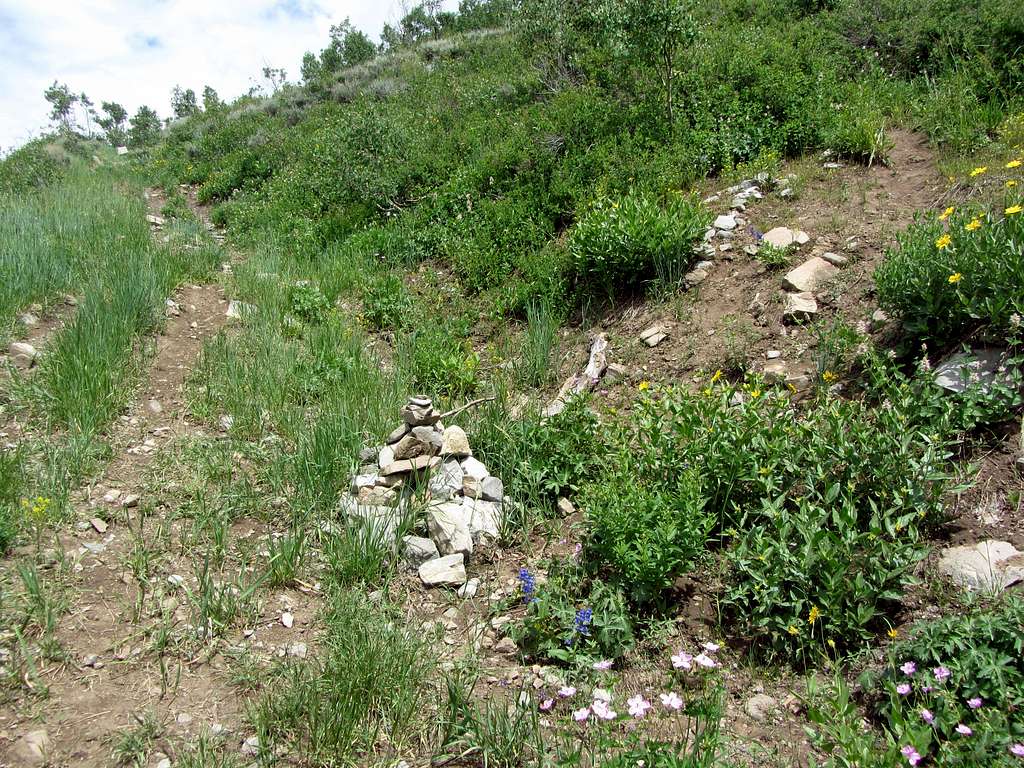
point(145, 128)
point(113, 123)
point(277, 77)
point(184, 103)
point(90, 113)
point(62, 104)
point(211, 101)
point(353, 44)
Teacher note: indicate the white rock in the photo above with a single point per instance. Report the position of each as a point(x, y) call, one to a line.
point(298, 650)
point(784, 237)
point(835, 259)
point(800, 306)
point(22, 354)
point(238, 310)
point(446, 482)
point(287, 619)
point(474, 468)
point(444, 571)
point(761, 707)
point(483, 519)
point(809, 275)
point(251, 746)
point(32, 749)
point(989, 566)
point(418, 550)
point(978, 367)
point(773, 354)
point(448, 524)
point(725, 222)
point(468, 590)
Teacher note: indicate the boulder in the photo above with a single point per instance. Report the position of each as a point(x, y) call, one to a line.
point(33, 748)
point(484, 520)
point(809, 275)
point(800, 306)
point(429, 437)
point(449, 570)
point(989, 566)
point(448, 524)
point(397, 434)
point(725, 222)
point(409, 447)
point(978, 367)
point(417, 550)
point(761, 707)
point(455, 443)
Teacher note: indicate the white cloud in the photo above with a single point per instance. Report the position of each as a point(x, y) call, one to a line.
point(136, 52)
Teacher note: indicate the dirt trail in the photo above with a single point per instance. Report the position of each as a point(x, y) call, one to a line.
point(111, 674)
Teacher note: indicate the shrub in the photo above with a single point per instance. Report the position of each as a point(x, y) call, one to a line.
point(962, 670)
point(11, 484)
point(570, 619)
point(439, 361)
point(619, 244)
point(35, 165)
point(308, 302)
point(386, 302)
point(957, 272)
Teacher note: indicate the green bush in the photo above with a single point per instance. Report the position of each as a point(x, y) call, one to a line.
point(620, 244)
point(386, 302)
point(35, 165)
point(570, 619)
point(11, 488)
point(439, 360)
point(308, 302)
point(950, 277)
point(980, 684)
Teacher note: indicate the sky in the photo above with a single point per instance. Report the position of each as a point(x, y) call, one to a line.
point(134, 53)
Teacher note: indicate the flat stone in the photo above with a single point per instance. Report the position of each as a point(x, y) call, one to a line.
point(417, 414)
point(449, 570)
point(455, 443)
point(615, 372)
point(761, 707)
point(417, 550)
point(474, 468)
point(429, 437)
point(130, 501)
point(99, 525)
point(565, 507)
point(835, 259)
point(364, 481)
point(800, 306)
point(809, 275)
point(725, 222)
point(775, 371)
point(409, 447)
point(377, 496)
point(418, 464)
point(989, 566)
point(750, 250)
point(977, 367)
point(32, 749)
point(449, 527)
point(773, 354)
point(692, 279)
point(397, 434)
point(385, 456)
point(784, 237)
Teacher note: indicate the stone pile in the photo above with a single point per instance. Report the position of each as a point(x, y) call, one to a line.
point(464, 502)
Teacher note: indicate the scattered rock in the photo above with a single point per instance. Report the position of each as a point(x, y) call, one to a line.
point(786, 193)
point(156, 221)
point(988, 566)
point(772, 354)
point(444, 571)
point(879, 319)
point(800, 306)
point(468, 590)
point(585, 381)
point(809, 275)
point(297, 650)
point(33, 748)
point(111, 496)
point(130, 501)
point(761, 707)
point(287, 620)
point(751, 250)
point(783, 237)
point(775, 371)
point(725, 222)
point(484, 520)
point(566, 507)
point(506, 646)
point(251, 746)
point(22, 354)
point(835, 259)
point(654, 335)
point(237, 310)
point(691, 279)
point(99, 525)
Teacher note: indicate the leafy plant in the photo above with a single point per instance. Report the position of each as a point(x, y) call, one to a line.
point(308, 302)
point(620, 243)
point(386, 303)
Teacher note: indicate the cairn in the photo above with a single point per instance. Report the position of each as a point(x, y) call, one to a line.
point(464, 501)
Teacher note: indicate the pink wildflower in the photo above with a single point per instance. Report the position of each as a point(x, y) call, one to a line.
point(963, 730)
point(941, 674)
point(974, 703)
point(908, 668)
point(705, 661)
point(671, 700)
point(1017, 750)
point(927, 716)
point(566, 691)
point(911, 754)
point(547, 704)
point(903, 689)
point(682, 660)
point(711, 647)
point(602, 710)
point(581, 715)
point(601, 666)
point(638, 706)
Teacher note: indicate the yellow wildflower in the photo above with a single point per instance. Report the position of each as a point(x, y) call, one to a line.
point(717, 376)
point(813, 615)
point(973, 224)
point(831, 643)
point(755, 393)
point(893, 633)
point(946, 213)
point(763, 471)
point(1013, 164)
point(1011, 184)
point(955, 278)
point(1013, 210)
point(792, 630)
point(828, 377)
point(644, 386)
point(943, 242)
point(979, 170)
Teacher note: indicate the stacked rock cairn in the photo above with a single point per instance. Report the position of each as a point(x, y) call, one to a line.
point(464, 502)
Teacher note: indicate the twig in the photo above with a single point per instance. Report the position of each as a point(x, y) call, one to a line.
point(467, 406)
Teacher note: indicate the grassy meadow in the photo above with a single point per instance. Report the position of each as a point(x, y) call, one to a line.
point(456, 214)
